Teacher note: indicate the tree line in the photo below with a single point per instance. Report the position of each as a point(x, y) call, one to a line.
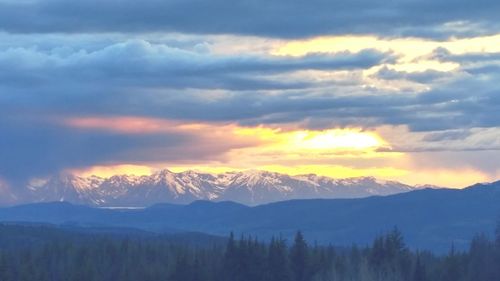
point(108, 257)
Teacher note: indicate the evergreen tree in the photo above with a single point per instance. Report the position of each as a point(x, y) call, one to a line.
point(4, 268)
point(481, 259)
point(394, 243)
point(277, 261)
point(419, 273)
point(198, 273)
point(299, 258)
point(231, 258)
point(451, 267)
point(497, 249)
point(497, 235)
point(110, 257)
point(377, 253)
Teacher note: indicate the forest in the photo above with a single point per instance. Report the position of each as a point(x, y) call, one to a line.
point(48, 253)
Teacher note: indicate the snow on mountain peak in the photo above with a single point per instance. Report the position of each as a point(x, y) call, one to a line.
point(256, 177)
point(69, 180)
point(164, 186)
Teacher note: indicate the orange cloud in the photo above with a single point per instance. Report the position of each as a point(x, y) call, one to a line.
point(340, 152)
point(249, 147)
point(202, 134)
point(123, 124)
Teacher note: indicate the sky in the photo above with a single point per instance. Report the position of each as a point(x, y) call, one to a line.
point(401, 90)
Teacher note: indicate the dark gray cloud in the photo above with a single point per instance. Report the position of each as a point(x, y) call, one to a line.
point(87, 63)
point(424, 18)
point(445, 55)
point(474, 63)
point(447, 135)
point(34, 148)
point(459, 104)
point(137, 78)
point(139, 63)
point(423, 77)
point(483, 69)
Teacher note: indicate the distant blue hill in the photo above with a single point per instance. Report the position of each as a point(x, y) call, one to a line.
point(430, 219)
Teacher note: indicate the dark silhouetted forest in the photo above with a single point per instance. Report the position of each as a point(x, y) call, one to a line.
point(47, 253)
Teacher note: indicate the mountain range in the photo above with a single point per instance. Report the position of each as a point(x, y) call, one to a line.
point(429, 218)
point(250, 187)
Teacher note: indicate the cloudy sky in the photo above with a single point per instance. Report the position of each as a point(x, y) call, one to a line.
point(405, 90)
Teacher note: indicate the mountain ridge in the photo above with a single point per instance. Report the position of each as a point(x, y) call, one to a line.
point(251, 187)
point(429, 218)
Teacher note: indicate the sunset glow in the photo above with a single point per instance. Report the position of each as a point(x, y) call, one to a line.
point(410, 103)
point(236, 140)
point(334, 152)
point(109, 171)
point(335, 139)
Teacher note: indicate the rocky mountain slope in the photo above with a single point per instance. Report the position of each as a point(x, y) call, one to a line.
point(248, 187)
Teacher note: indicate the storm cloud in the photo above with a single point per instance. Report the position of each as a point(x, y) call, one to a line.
point(142, 64)
point(213, 65)
point(285, 19)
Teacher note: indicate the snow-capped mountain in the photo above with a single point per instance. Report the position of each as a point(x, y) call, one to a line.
point(248, 187)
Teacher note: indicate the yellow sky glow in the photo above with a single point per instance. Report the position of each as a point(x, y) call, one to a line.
point(447, 178)
point(412, 52)
point(334, 153)
point(308, 140)
point(410, 47)
point(279, 151)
